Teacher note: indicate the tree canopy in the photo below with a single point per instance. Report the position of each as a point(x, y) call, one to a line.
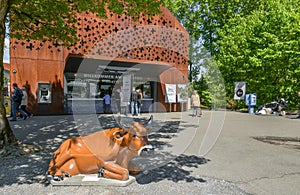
point(55, 21)
point(263, 49)
point(252, 41)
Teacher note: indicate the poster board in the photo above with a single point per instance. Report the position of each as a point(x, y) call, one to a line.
point(182, 94)
point(170, 93)
point(126, 88)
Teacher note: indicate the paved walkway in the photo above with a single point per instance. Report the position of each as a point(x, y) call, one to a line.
point(254, 166)
point(214, 154)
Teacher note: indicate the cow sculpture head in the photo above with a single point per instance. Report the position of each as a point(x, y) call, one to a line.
point(136, 137)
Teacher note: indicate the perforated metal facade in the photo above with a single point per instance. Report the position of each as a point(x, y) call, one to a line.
point(157, 40)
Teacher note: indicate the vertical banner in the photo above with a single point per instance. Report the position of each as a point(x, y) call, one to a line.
point(239, 90)
point(126, 90)
point(170, 93)
point(182, 94)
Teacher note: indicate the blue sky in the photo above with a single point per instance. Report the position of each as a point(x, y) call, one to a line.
point(6, 45)
point(6, 51)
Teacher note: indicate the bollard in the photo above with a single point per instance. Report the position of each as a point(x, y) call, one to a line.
point(251, 110)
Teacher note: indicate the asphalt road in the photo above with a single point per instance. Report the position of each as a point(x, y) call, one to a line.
point(271, 167)
point(214, 154)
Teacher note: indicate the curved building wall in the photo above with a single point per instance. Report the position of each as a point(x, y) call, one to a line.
point(150, 40)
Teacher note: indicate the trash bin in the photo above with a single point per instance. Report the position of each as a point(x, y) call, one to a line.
point(7, 105)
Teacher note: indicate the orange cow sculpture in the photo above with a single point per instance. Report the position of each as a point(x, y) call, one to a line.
point(107, 152)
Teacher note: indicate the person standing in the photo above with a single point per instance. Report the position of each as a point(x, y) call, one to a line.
point(196, 104)
point(134, 102)
point(16, 102)
point(24, 103)
point(106, 99)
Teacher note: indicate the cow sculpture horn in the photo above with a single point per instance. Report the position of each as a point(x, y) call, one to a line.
point(127, 125)
point(149, 121)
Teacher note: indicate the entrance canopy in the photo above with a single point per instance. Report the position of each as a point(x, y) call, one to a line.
point(77, 65)
point(91, 78)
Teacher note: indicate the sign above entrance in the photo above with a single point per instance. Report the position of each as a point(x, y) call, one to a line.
point(99, 76)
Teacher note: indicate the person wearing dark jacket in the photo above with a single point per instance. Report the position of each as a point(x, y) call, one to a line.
point(16, 102)
point(134, 97)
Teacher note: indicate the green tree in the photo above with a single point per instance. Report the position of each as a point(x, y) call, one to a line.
point(202, 18)
point(54, 21)
point(263, 49)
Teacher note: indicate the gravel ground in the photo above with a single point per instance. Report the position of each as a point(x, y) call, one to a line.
point(25, 174)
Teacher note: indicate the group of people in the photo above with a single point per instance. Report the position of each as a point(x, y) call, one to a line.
point(19, 103)
point(118, 104)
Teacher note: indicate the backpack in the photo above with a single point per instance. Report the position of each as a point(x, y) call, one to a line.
point(19, 95)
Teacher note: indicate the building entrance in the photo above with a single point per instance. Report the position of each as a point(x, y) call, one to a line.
point(85, 88)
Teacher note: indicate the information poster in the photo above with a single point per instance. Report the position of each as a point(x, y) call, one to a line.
point(182, 94)
point(126, 87)
point(170, 93)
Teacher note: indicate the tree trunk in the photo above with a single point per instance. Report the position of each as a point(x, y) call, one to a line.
point(6, 134)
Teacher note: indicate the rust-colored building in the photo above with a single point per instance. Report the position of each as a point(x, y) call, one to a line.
point(113, 54)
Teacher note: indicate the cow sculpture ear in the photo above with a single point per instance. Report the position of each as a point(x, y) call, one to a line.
point(117, 135)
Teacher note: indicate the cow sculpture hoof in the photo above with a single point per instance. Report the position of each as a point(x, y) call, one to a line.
point(101, 172)
point(58, 178)
point(55, 178)
point(49, 177)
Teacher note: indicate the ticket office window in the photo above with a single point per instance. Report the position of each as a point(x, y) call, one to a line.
point(89, 88)
point(96, 88)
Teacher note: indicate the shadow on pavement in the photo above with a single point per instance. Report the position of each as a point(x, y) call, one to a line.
point(173, 171)
point(50, 131)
